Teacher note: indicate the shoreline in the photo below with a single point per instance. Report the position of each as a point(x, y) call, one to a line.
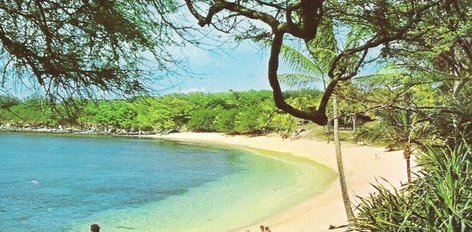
point(363, 165)
point(73, 130)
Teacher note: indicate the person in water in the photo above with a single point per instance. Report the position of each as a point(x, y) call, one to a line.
point(262, 228)
point(267, 229)
point(94, 228)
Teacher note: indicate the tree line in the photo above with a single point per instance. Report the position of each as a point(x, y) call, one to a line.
point(249, 112)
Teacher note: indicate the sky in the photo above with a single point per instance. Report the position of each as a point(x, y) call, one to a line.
point(229, 67)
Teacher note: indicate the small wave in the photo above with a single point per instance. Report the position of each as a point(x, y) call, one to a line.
point(35, 182)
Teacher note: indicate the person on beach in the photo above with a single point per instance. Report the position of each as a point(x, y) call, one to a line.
point(267, 229)
point(94, 228)
point(262, 228)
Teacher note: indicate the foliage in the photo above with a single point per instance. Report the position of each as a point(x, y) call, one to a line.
point(439, 200)
point(81, 48)
point(6, 102)
point(33, 111)
point(250, 112)
point(395, 129)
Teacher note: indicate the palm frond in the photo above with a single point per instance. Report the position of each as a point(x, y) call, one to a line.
point(299, 62)
point(323, 48)
point(378, 79)
point(299, 80)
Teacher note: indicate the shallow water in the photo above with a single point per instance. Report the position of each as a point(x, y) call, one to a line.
point(66, 183)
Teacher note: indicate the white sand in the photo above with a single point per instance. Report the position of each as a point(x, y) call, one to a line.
point(363, 165)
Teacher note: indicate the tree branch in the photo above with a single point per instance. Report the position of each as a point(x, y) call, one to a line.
point(319, 117)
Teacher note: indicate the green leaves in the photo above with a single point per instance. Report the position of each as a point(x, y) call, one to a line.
point(7, 102)
point(323, 48)
point(250, 112)
point(299, 80)
point(438, 200)
point(82, 48)
point(300, 62)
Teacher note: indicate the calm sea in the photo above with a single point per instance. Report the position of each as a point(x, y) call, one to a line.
point(66, 183)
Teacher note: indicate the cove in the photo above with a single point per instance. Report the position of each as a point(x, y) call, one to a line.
point(66, 183)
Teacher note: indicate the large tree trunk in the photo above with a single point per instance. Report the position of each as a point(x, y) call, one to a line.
point(339, 161)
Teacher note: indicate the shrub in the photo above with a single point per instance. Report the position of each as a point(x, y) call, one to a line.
point(439, 200)
point(201, 120)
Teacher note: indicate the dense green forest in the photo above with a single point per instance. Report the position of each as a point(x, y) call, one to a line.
point(250, 112)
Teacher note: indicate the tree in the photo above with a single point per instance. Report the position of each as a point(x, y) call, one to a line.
point(6, 102)
point(339, 161)
point(84, 48)
point(432, 65)
point(315, 70)
point(301, 19)
point(397, 130)
point(438, 54)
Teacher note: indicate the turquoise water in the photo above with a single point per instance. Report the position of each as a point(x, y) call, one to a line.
point(66, 183)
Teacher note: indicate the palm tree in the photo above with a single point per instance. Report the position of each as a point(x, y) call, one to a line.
point(397, 129)
point(311, 72)
point(339, 162)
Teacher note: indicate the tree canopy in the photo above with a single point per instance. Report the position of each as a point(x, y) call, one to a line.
point(81, 48)
point(378, 23)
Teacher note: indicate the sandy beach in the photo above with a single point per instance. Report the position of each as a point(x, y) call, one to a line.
point(363, 165)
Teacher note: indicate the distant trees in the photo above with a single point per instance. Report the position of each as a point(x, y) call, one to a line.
point(251, 112)
point(6, 102)
point(31, 111)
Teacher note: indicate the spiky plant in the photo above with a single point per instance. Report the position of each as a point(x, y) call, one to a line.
point(439, 200)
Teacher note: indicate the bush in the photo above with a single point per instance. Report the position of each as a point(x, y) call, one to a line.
point(225, 120)
point(247, 121)
point(439, 200)
point(202, 120)
point(230, 112)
